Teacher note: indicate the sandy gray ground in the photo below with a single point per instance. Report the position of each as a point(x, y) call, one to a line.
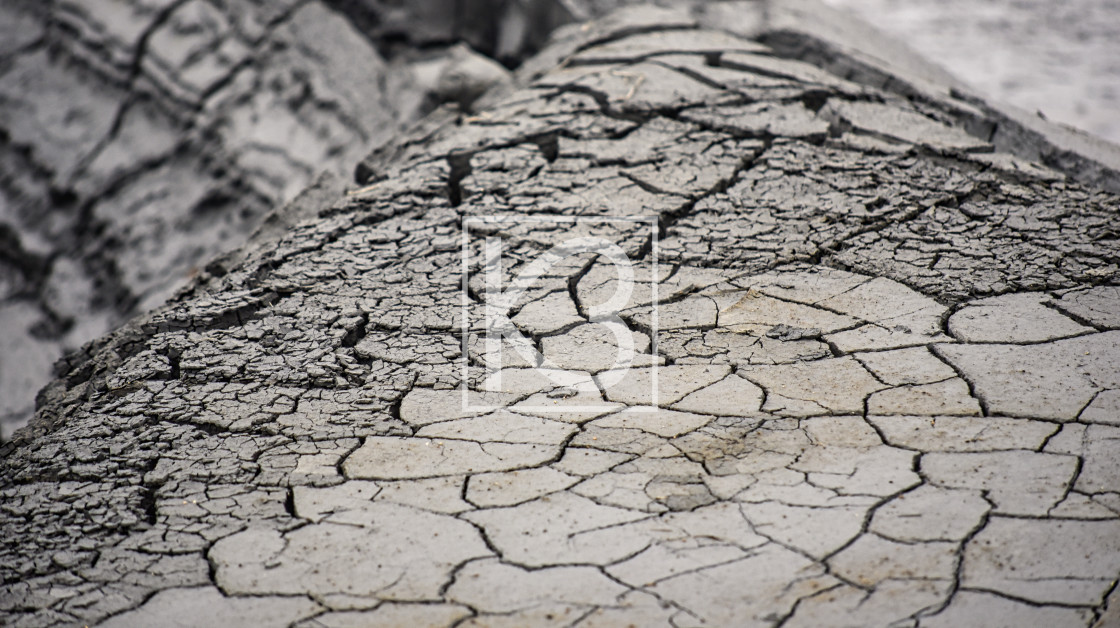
point(885, 351)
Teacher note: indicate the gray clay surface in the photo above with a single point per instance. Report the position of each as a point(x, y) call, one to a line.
point(885, 349)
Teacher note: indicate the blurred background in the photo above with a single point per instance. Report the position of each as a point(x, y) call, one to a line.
point(1058, 57)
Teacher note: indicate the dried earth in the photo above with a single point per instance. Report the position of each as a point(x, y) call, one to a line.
point(882, 322)
point(141, 138)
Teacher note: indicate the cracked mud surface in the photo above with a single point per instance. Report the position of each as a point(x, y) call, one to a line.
point(139, 139)
point(886, 364)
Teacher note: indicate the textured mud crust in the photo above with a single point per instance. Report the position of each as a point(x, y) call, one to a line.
point(142, 138)
point(138, 139)
point(886, 356)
